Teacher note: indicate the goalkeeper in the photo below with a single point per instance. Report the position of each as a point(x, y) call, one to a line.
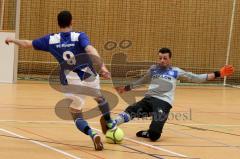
point(159, 98)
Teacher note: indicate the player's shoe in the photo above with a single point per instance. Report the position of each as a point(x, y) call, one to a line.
point(107, 125)
point(143, 133)
point(97, 142)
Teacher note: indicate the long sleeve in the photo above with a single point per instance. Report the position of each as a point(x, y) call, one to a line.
point(191, 77)
point(143, 80)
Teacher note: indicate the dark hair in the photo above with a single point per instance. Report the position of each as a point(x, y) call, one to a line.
point(64, 19)
point(165, 50)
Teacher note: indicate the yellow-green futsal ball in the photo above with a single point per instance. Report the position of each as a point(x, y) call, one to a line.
point(114, 136)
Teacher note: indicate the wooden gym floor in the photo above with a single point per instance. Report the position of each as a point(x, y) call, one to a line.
point(204, 123)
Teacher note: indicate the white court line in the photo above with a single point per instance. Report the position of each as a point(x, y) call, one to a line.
point(132, 123)
point(151, 146)
point(40, 121)
point(41, 144)
point(75, 157)
point(60, 122)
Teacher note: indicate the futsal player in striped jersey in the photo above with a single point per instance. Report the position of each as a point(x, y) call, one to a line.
point(158, 100)
point(65, 46)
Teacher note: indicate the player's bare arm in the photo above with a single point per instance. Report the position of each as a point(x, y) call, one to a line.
point(22, 43)
point(92, 51)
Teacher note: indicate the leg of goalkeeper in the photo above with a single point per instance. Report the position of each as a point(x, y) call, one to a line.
point(160, 113)
point(139, 110)
point(156, 127)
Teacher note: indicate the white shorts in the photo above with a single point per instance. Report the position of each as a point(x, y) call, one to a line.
point(90, 85)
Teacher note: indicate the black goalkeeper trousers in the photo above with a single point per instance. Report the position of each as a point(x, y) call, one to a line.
point(150, 106)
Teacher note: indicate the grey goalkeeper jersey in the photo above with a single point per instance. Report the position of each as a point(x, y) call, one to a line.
point(162, 82)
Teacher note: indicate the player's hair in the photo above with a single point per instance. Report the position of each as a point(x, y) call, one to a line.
point(64, 19)
point(165, 50)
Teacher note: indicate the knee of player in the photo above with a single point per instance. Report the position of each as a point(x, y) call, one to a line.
point(75, 113)
point(154, 136)
point(100, 100)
